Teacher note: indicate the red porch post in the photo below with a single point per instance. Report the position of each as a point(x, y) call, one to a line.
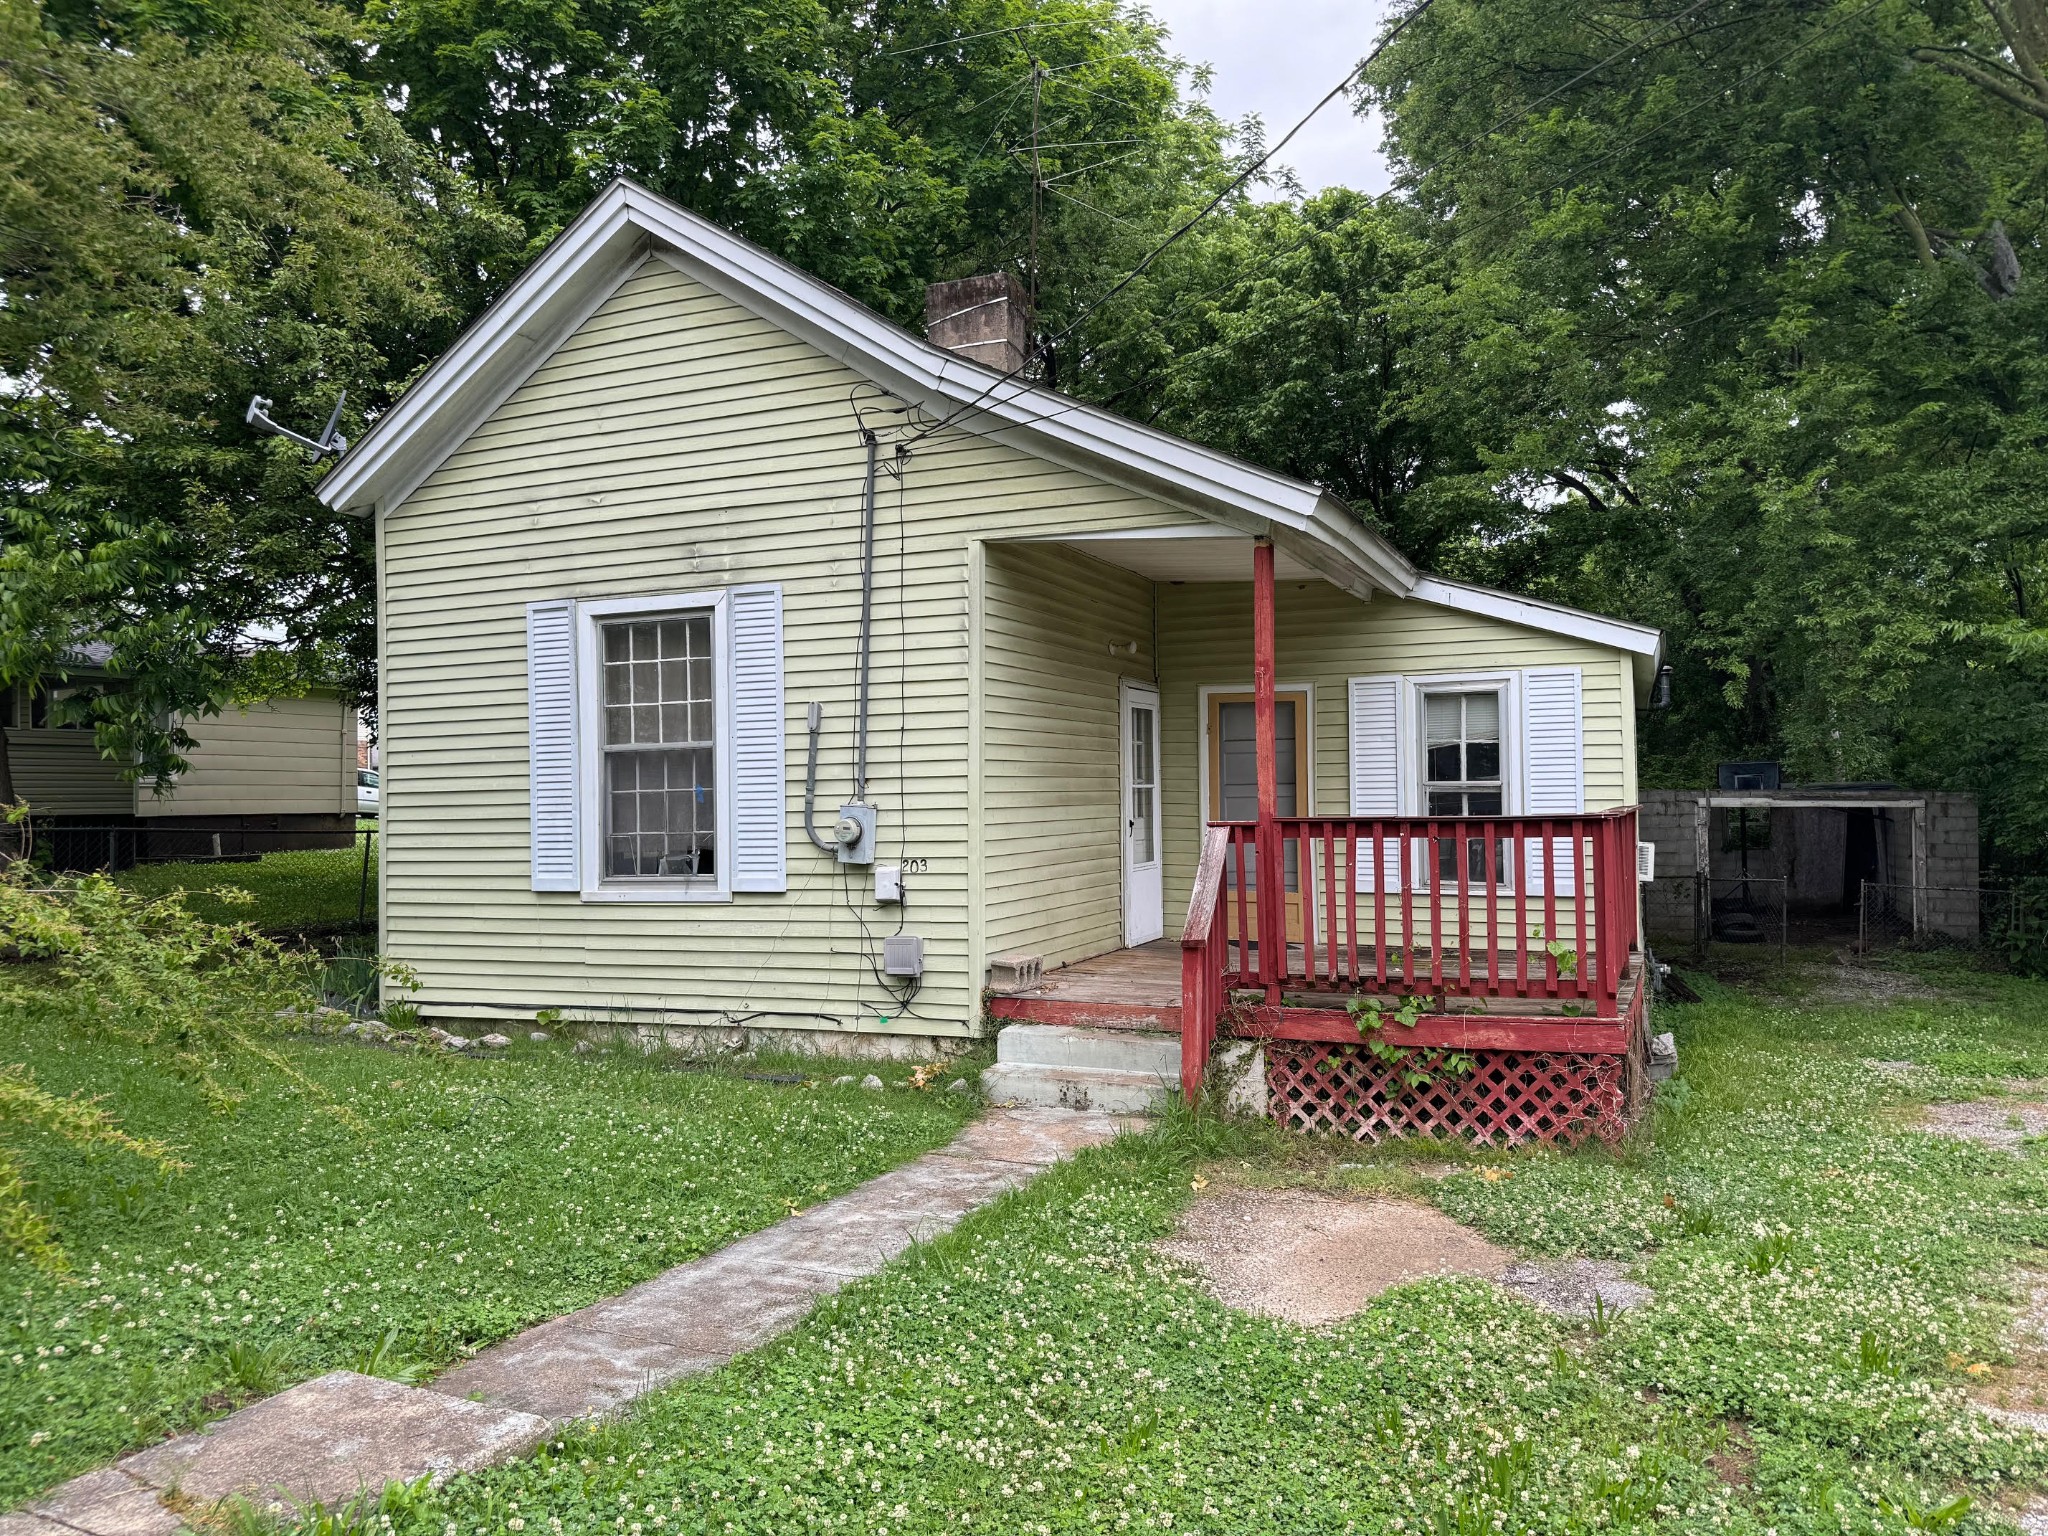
point(1271, 872)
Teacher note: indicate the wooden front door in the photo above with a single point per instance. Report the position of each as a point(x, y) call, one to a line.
point(1234, 789)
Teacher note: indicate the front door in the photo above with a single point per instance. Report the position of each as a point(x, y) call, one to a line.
point(1234, 789)
point(1144, 895)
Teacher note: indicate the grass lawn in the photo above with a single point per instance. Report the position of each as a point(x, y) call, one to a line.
point(1824, 1277)
point(307, 890)
point(478, 1196)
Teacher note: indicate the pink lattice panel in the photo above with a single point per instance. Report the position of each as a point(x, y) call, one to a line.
point(1507, 1097)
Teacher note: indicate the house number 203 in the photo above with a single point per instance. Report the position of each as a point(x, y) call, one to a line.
point(915, 866)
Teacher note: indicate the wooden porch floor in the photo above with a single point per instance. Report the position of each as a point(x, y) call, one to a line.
point(1124, 989)
point(1140, 989)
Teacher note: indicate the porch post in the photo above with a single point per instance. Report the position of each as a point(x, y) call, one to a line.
point(1272, 869)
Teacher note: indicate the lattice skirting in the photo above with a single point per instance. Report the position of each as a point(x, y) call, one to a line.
point(1507, 1097)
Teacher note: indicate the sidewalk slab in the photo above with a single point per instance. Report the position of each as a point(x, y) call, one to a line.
point(341, 1435)
point(1040, 1137)
point(328, 1439)
point(108, 1502)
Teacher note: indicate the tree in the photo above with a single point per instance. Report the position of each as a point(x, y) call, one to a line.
point(1738, 311)
point(880, 145)
point(187, 220)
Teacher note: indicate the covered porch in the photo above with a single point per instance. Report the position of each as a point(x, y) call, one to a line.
point(1497, 949)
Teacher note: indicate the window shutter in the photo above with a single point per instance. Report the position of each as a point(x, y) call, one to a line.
point(759, 818)
point(551, 739)
point(1553, 763)
point(1376, 749)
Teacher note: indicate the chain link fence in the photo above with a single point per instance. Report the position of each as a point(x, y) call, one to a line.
point(1742, 912)
point(1976, 917)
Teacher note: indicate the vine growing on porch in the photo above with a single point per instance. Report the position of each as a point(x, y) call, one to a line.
point(1419, 1066)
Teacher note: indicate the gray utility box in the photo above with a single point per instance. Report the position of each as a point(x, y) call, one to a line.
point(903, 955)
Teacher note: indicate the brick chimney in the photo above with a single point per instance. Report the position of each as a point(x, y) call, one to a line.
point(986, 319)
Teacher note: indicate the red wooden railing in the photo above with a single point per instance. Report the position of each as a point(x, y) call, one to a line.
point(1519, 907)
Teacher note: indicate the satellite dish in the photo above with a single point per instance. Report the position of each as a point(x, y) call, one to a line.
point(329, 441)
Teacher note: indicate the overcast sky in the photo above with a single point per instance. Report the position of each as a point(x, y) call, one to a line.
point(1277, 58)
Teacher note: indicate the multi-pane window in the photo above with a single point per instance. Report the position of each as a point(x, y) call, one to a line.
point(1462, 753)
point(660, 749)
point(1461, 772)
point(1144, 785)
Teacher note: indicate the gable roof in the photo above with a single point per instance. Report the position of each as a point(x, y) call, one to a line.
point(626, 224)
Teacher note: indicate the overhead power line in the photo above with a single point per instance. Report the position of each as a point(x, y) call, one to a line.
point(1174, 238)
point(1157, 374)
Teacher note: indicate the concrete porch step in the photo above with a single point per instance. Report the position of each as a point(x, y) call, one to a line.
point(1058, 1066)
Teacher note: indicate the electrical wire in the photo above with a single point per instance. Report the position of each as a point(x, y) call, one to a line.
point(968, 37)
point(1074, 404)
point(1579, 171)
point(1521, 113)
point(1174, 238)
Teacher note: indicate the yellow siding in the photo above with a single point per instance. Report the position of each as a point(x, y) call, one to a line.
point(1322, 639)
point(281, 756)
point(677, 443)
point(61, 773)
point(1058, 628)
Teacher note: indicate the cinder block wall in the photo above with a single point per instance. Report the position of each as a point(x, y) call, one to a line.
point(1665, 817)
point(1952, 871)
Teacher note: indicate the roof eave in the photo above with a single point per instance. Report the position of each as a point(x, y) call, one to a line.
point(585, 264)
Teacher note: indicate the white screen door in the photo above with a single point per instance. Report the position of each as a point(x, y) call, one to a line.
point(1143, 890)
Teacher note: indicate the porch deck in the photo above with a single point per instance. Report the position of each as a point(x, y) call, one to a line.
point(1140, 988)
point(1124, 989)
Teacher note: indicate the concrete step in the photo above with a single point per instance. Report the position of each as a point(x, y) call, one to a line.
point(1092, 1088)
point(1076, 1047)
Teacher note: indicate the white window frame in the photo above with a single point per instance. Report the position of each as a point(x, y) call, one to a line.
point(1415, 729)
point(1415, 757)
point(591, 615)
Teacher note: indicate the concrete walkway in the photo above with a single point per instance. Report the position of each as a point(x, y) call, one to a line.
point(329, 1439)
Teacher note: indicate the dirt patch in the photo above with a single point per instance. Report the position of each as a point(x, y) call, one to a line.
point(1735, 1461)
point(1314, 1259)
point(1991, 1122)
point(2018, 1393)
point(1579, 1288)
point(1847, 982)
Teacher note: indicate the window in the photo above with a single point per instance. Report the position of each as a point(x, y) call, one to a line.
point(1461, 756)
point(1143, 785)
point(1462, 776)
point(659, 745)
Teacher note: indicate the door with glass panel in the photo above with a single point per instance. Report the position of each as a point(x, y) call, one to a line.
point(1144, 886)
point(1234, 791)
point(660, 749)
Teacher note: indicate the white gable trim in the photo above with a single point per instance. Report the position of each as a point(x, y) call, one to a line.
point(1644, 644)
point(627, 222)
point(626, 225)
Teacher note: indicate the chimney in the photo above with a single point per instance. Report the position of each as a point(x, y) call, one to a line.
point(986, 319)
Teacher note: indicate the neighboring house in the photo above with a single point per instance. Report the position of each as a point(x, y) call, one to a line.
point(621, 529)
point(277, 774)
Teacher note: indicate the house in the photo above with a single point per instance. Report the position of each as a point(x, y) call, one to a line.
point(278, 773)
point(749, 662)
